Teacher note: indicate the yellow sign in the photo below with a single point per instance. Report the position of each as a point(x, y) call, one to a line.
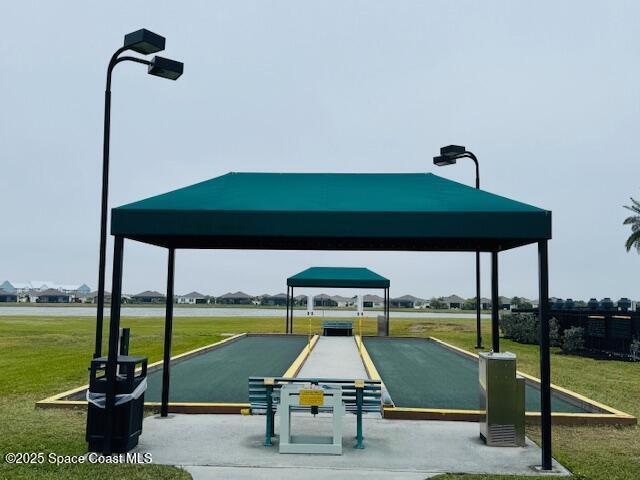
point(311, 398)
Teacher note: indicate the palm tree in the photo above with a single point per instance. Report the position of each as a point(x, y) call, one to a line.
point(634, 221)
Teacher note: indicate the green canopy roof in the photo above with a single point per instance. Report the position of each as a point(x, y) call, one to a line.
point(332, 211)
point(338, 277)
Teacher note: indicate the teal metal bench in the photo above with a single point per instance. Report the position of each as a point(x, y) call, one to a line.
point(337, 327)
point(264, 397)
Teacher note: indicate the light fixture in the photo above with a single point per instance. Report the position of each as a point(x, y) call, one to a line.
point(441, 161)
point(165, 68)
point(143, 41)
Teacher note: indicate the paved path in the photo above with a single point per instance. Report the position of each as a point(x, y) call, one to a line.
point(271, 473)
point(230, 447)
point(334, 357)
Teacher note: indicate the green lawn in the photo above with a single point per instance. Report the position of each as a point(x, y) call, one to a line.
point(40, 356)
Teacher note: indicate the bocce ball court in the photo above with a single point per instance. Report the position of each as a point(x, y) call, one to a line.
point(429, 379)
point(220, 375)
point(425, 378)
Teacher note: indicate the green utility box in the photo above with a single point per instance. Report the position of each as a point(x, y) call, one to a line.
point(502, 400)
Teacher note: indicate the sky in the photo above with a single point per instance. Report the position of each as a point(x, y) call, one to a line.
point(545, 93)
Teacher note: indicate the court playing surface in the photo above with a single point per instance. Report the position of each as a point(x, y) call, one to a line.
point(421, 373)
point(221, 375)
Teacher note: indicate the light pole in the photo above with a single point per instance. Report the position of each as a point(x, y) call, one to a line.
point(448, 156)
point(143, 42)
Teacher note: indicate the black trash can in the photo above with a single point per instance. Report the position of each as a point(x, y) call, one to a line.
point(128, 412)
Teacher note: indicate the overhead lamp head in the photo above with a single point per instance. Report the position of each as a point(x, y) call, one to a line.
point(442, 161)
point(452, 150)
point(165, 68)
point(143, 41)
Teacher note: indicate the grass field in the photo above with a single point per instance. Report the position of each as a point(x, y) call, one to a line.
point(40, 356)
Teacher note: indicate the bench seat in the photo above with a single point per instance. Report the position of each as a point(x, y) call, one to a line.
point(264, 398)
point(337, 328)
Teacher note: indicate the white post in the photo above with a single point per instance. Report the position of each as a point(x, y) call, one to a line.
point(360, 306)
point(310, 305)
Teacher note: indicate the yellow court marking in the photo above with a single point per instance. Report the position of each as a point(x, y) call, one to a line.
point(295, 367)
point(368, 363)
point(440, 411)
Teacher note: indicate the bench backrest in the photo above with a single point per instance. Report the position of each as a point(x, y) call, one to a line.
point(371, 394)
point(341, 324)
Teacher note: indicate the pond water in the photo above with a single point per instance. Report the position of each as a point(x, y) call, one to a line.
point(158, 311)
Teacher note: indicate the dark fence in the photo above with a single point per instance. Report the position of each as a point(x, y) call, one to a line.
point(609, 329)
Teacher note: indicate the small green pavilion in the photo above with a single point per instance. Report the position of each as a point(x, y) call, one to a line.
point(331, 211)
point(335, 277)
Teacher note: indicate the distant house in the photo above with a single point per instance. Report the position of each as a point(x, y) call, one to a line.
point(32, 288)
point(50, 295)
point(372, 301)
point(15, 287)
point(324, 300)
point(8, 297)
point(42, 285)
point(485, 303)
point(92, 297)
point(78, 290)
point(343, 301)
point(406, 301)
point(454, 302)
point(238, 298)
point(273, 300)
point(193, 298)
point(300, 300)
point(504, 303)
point(148, 296)
point(8, 287)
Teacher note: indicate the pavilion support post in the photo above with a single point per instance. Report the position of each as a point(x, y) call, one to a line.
point(545, 360)
point(168, 333)
point(495, 304)
point(291, 313)
point(114, 333)
point(289, 301)
point(386, 310)
point(286, 316)
point(478, 304)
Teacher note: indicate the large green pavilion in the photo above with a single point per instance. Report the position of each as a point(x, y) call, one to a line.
point(332, 211)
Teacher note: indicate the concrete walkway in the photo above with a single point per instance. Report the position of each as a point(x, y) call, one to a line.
point(230, 447)
point(334, 357)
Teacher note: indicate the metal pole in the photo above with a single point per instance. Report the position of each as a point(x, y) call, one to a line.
point(466, 154)
point(359, 402)
point(97, 352)
point(286, 316)
point(478, 296)
point(545, 361)
point(291, 314)
point(124, 341)
point(478, 304)
point(495, 304)
point(387, 310)
point(114, 330)
point(168, 333)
